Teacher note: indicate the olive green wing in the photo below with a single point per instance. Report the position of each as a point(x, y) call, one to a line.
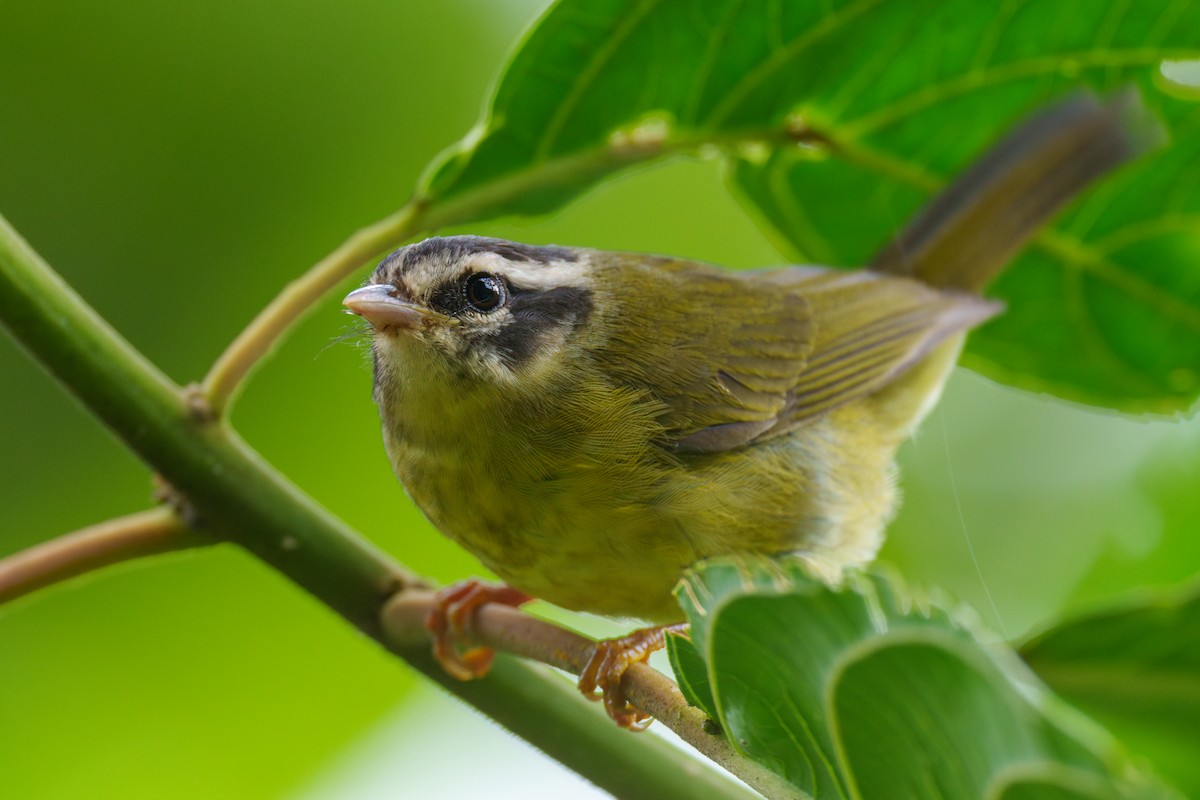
point(739, 357)
point(718, 352)
point(871, 327)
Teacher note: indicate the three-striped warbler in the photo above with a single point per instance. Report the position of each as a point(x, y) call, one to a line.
point(591, 423)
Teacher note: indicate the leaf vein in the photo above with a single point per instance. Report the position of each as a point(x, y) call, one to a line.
point(819, 248)
point(704, 70)
point(1074, 253)
point(991, 36)
point(932, 94)
point(1138, 232)
point(587, 77)
point(779, 59)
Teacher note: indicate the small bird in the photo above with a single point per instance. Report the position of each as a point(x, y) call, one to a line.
point(591, 423)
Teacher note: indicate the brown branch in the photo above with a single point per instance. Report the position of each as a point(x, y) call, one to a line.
point(146, 533)
point(512, 630)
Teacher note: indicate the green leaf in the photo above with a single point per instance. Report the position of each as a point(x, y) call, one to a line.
point(596, 86)
point(688, 666)
point(1104, 309)
point(869, 693)
point(1137, 668)
point(889, 98)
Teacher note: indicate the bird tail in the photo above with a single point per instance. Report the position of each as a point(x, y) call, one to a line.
point(969, 233)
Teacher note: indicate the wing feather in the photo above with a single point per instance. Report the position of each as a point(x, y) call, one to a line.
point(776, 349)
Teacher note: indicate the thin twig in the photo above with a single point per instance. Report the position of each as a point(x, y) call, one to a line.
point(146, 533)
point(244, 352)
point(513, 631)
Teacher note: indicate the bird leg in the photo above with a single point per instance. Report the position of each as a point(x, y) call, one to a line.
point(453, 612)
point(450, 619)
point(607, 665)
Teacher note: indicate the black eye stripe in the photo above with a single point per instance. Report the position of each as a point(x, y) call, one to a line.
point(537, 315)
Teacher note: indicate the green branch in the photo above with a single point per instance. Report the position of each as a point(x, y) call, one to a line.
point(235, 493)
point(265, 330)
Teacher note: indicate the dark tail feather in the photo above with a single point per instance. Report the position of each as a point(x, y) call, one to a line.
point(970, 232)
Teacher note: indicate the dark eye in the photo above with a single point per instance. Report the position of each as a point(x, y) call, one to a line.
point(484, 292)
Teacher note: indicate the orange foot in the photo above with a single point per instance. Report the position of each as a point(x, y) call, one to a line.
point(451, 617)
point(606, 667)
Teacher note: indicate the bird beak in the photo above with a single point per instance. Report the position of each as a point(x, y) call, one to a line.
point(378, 305)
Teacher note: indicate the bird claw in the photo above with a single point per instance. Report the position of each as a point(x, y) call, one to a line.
point(453, 613)
point(450, 620)
point(601, 676)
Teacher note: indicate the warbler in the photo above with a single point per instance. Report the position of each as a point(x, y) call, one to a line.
point(591, 423)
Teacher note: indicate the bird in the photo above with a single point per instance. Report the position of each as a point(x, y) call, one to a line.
point(590, 423)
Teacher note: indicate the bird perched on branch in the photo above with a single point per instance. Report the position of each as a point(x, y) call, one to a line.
point(591, 423)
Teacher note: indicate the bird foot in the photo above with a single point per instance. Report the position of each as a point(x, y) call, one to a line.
point(451, 618)
point(601, 677)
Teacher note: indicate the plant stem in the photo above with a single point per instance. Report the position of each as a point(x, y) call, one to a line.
point(158, 530)
point(238, 496)
point(234, 492)
point(537, 704)
point(513, 631)
point(257, 339)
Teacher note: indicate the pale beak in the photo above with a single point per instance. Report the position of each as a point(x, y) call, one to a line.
point(378, 305)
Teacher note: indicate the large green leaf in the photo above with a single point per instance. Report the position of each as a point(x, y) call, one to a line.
point(1103, 309)
point(1137, 668)
point(889, 98)
point(865, 692)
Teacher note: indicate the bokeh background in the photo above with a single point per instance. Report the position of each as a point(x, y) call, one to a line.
point(178, 163)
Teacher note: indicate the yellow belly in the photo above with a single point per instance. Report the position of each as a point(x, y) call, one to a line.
point(611, 529)
point(616, 542)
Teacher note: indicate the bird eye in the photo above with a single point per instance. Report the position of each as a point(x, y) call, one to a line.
point(484, 292)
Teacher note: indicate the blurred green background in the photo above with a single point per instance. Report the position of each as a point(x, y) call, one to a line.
point(178, 163)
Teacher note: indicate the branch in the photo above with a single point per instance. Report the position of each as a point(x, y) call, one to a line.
point(511, 630)
point(240, 357)
point(234, 492)
point(146, 533)
point(237, 496)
